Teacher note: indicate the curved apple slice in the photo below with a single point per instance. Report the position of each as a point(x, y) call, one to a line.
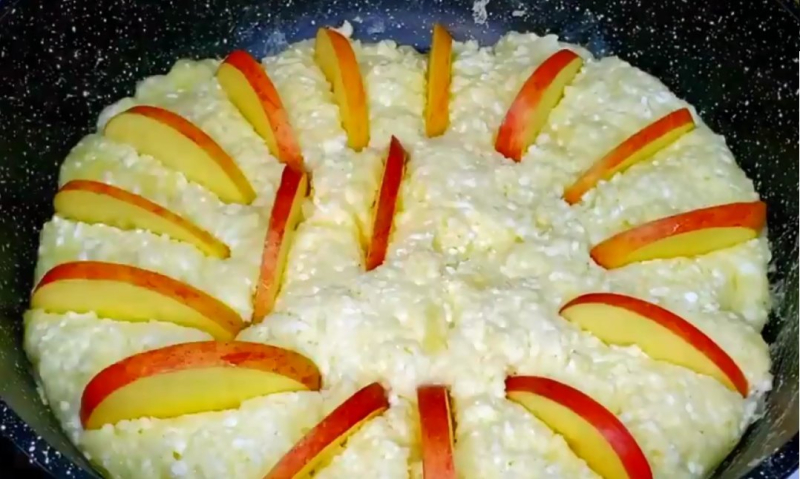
point(385, 205)
point(592, 432)
point(661, 334)
point(437, 106)
point(287, 213)
point(322, 442)
point(687, 234)
point(95, 202)
point(538, 96)
point(128, 293)
point(436, 427)
point(191, 378)
point(335, 57)
point(180, 145)
point(639, 147)
point(249, 88)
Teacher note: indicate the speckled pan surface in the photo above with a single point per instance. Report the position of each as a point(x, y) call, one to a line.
point(61, 62)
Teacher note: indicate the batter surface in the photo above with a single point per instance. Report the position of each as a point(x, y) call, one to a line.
point(483, 253)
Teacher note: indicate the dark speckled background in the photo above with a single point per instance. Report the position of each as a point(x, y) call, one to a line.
point(61, 61)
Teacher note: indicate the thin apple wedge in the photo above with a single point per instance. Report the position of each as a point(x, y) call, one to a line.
point(639, 147)
point(322, 442)
point(383, 210)
point(128, 293)
point(192, 378)
point(660, 333)
point(95, 202)
point(286, 214)
point(539, 94)
point(693, 233)
point(440, 65)
point(180, 145)
point(335, 57)
point(249, 88)
point(592, 432)
point(436, 428)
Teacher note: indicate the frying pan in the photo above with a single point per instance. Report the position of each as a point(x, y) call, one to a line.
point(62, 61)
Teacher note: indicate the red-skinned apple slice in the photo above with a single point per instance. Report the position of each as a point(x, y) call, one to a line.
point(191, 378)
point(322, 442)
point(693, 233)
point(593, 433)
point(95, 202)
point(385, 205)
point(660, 333)
point(128, 293)
point(437, 106)
point(249, 88)
point(182, 146)
point(436, 428)
point(335, 57)
point(531, 107)
point(286, 215)
point(639, 147)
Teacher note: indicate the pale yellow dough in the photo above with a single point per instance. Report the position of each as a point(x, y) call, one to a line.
point(483, 253)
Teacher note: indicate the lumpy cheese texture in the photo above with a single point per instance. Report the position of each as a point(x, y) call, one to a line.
point(483, 253)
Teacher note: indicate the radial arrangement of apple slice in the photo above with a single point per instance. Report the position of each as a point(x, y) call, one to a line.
point(591, 430)
point(186, 378)
point(179, 144)
point(191, 378)
point(660, 333)
point(128, 293)
point(95, 202)
point(436, 432)
point(249, 88)
point(323, 441)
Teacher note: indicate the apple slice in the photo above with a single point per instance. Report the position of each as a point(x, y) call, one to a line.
point(322, 442)
point(192, 378)
point(383, 209)
point(180, 145)
point(592, 432)
point(335, 57)
point(436, 427)
point(531, 107)
point(286, 215)
point(687, 234)
point(249, 88)
point(437, 106)
point(128, 293)
point(95, 202)
point(640, 146)
point(661, 334)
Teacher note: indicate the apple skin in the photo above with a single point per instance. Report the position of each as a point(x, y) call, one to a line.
point(440, 65)
point(192, 377)
point(250, 89)
point(660, 333)
point(335, 57)
point(591, 430)
point(286, 215)
point(321, 442)
point(539, 94)
point(641, 146)
point(95, 202)
point(692, 233)
point(128, 293)
point(180, 145)
point(436, 428)
point(385, 205)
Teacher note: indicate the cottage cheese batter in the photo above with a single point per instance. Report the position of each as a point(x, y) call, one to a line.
point(483, 253)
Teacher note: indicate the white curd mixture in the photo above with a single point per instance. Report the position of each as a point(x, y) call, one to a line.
point(483, 253)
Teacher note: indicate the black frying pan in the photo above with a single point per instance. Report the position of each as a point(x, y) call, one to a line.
point(62, 61)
